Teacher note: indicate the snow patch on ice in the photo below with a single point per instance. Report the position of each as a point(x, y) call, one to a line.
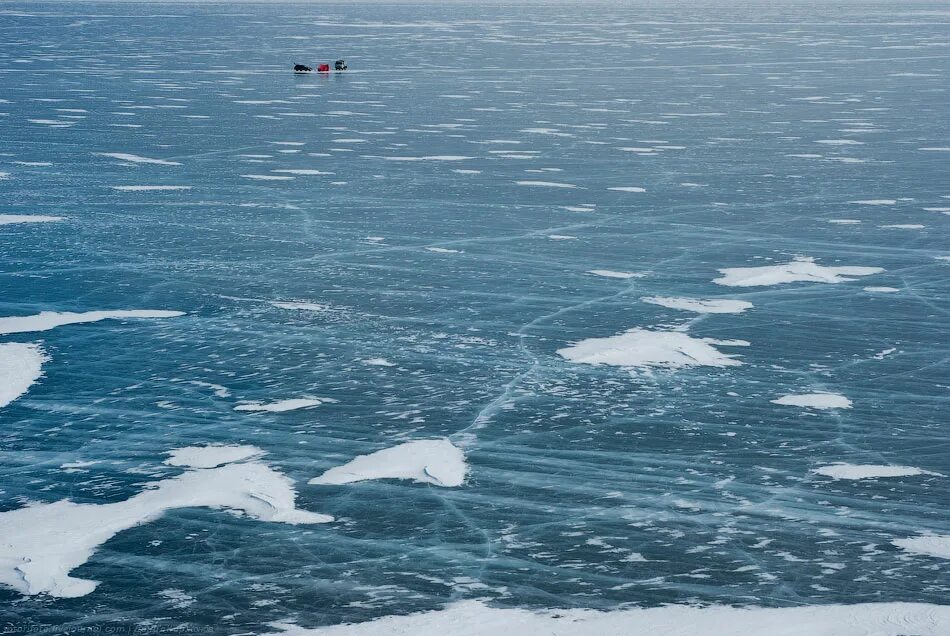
point(267, 177)
point(303, 306)
point(431, 461)
point(815, 401)
point(150, 188)
point(46, 320)
point(642, 348)
point(799, 270)
point(545, 184)
point(303, 172)
point(699, 305)
point(281, 406)
point(10, 219)
point(608, 273)
point(42, 543)
point(475, 618)
point(211, 456)
point(378, 362)
point(430, 158)
point(628, 189)
point(869, 471)
point(123, 156)
point(21, 364)
point(929, 545)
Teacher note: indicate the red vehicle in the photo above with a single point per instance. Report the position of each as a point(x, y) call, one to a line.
point(323, 68)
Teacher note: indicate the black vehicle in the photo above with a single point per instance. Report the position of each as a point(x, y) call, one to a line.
point(300, 68)
point(339, 65)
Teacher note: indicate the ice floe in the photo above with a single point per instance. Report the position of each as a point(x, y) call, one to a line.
point(799, 270)
point(10, 219)
point(475, 618)
point(882, 290)
point(42, 543)
point(281, 406)
point(644, 348)
point(628, 189)
point(430, 461)
point(21, 364)
point(700, 305)
point(46, 320)
point(874, 202)
point(123, 156)
point(869, 471)
point(815, 401)
point(929, 545)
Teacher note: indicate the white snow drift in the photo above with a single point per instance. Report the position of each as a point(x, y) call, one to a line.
point(46, 320)
point(799, 270)
point(644, 348)
point(21, 364)
point(474, 618)
point(42, 543)
point(429, 461)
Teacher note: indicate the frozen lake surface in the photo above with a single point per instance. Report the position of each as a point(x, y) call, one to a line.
point(534, 308)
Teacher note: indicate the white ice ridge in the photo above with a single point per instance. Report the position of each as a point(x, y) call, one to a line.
point(9, 219)
point(700, 305)
point(869, 471)
point(929, 545)
point(42, 543)
point(429, 461)
point(137, 159)
point(475, 618)
point(46, 320)
point(644, 348)
point(815, 401)
point(21, 364)
point(801, 269)
point(280, 406)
